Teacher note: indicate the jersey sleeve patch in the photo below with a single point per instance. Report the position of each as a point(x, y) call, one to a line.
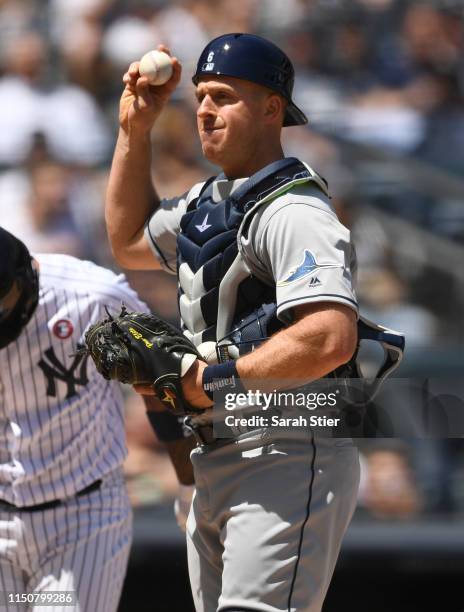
point(308, 253)
point(307, 267)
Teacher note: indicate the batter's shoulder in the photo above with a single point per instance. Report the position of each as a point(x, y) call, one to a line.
point(69, 269)
point(82, 277)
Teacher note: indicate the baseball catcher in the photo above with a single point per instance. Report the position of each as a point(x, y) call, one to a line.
point(262, 232)
point(141, 349)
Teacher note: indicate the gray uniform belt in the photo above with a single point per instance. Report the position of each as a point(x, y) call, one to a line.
point(4, 505)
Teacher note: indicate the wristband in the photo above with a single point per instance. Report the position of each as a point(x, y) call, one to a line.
point(221, 378)
point(166, 425)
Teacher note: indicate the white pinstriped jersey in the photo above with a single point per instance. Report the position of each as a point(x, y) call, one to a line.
point(61, 423)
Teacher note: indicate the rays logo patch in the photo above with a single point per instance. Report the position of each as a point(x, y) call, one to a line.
point(308, 266)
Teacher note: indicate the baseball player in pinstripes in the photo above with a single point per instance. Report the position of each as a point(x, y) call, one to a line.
point(259, 250)
point(65, 519)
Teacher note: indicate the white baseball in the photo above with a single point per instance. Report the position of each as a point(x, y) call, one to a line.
point(156, 66)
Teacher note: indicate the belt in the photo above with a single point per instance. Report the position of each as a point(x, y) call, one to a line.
point(4, 505)
point(202, 429)
point(205, 436)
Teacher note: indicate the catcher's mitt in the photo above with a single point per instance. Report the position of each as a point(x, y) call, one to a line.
point(141, 349)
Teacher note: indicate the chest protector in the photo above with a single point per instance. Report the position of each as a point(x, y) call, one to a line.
point(226, 310)
point(216, 286)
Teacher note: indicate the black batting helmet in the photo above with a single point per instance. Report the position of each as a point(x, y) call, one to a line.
point(16, 266)
point(253, 58)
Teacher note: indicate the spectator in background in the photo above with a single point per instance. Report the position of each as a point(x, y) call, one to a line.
point(130, 35)
point(384, 297)
point(388, 489)
point(320, 96)
point(432, 43)
point(65, 15)
point(17, 17)
point(72, 124)
point(275, 15)
point(78, 34)
point(184, 26)
point(432, 38)
point(35, 206)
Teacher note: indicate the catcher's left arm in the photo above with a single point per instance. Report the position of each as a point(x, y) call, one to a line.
point(141, 349)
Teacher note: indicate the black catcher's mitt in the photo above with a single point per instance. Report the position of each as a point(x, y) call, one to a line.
point(141, 349)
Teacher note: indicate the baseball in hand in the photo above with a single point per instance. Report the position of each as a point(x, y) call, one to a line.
point(156, 66)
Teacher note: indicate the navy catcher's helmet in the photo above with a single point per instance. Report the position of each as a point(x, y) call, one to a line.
point(250, 57)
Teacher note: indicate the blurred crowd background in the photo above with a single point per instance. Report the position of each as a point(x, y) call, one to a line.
point(382, 82)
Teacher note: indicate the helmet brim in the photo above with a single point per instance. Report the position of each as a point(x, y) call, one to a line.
point(294, 116)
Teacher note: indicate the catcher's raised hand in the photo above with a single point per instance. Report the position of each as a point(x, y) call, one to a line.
point(141, 103)
point(143, 350)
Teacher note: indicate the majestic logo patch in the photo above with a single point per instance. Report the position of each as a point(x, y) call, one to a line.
point(314, 282)
point(63, 329)
point(204, 224)
point(307, 267)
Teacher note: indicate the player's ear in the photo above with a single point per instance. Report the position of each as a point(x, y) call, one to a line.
point(275, 108)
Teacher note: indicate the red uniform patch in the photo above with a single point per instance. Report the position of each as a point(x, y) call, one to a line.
point(63, 329)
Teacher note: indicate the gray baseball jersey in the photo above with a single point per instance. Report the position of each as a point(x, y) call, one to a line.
point(62, 429)
point(270, 511)
point(296, 242)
